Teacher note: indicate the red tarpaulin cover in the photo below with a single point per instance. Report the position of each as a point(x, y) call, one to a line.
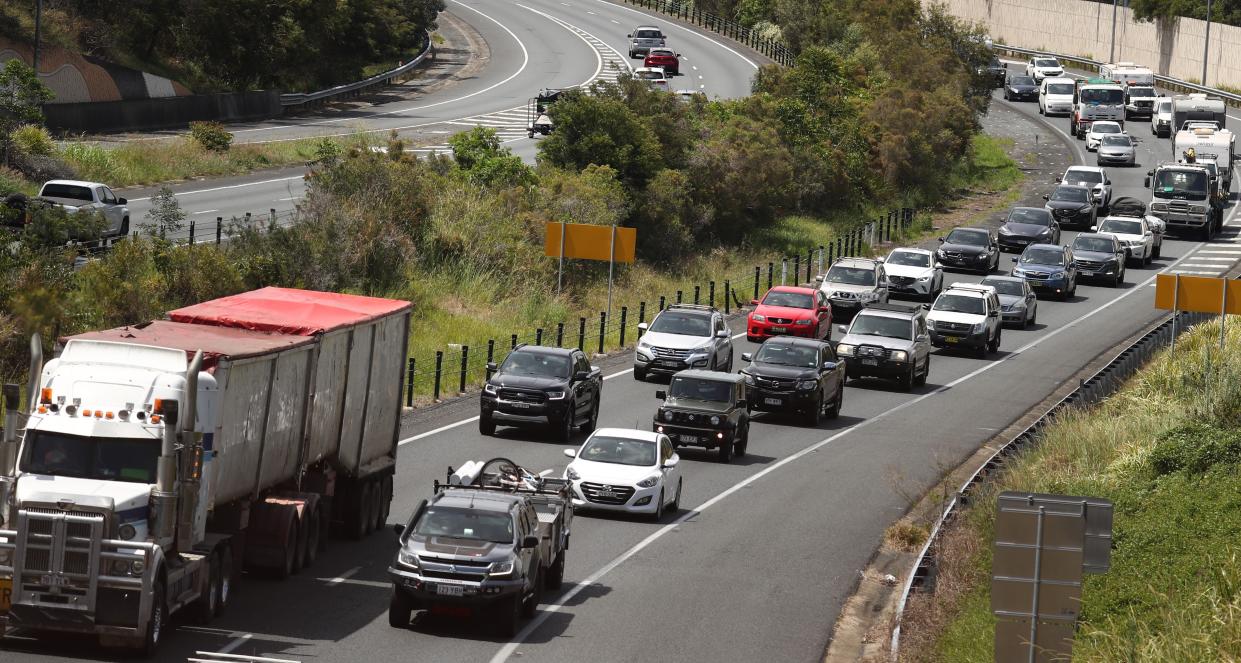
point(215, 342)
point(288, 311)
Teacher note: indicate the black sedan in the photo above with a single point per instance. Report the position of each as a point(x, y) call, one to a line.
point(800, 375)
point(969, 248)
point(1072, 205)
point(1020, 88)
point(1099, 256)
point(1028, 225)
point(998, 71)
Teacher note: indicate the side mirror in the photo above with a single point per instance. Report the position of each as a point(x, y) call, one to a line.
point(491, 366)
point(742, 403)
point(1058, 179)
point(941, 239)
point(923, 338)
point(661, 395)
point(723, 333)
point(671, 462)
point(678, 55)
point(399, 530)
point(530, 542)
point(571, 453)
point(580, 376)
point(629, 36)
point(818, 279)
point(1046, 197)
point(747, 356)
point(122, 201)
point(642, 326)
point(1146, 182)
point(1015, 259)
point(825, 309)
point(829, 365)
point(939, 265)
point(1094, 229)
point(842, 329)
point(753, 302)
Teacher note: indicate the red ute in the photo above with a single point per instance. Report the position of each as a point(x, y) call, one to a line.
point(659, 57)
point(790, 311)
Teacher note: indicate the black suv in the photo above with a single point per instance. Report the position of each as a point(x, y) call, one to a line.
point(1071, 206)
point(796, 375)
point(705, 409)
point(542, 386)
point(888, 341)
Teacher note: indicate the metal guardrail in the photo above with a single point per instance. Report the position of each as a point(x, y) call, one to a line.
point(1174, 84)
point(384, 78)
point(1090, 391)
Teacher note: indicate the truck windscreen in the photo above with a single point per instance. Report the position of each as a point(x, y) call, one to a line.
point(1102, 96)
point(102, 458)
point(1184, 184)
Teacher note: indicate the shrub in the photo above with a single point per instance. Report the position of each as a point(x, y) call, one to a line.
point(1195, 448)
point(41, 168)
point(32, 139)
point(212, 136)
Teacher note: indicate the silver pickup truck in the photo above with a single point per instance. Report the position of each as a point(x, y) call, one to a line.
point(643, 39)
point(73, 196)
point(488, 541)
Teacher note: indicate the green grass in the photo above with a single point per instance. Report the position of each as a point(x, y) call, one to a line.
point(991, 168)
point(1173, 592)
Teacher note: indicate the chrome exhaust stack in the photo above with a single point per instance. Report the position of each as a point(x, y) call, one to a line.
point(164, 497)
point(36, 371)
point(8, 448)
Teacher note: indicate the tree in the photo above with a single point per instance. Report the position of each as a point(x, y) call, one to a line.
point(22, 96)
point(483, 160)
point(603, 131)
point(165, 214)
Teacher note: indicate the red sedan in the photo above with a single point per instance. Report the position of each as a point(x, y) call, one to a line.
point(665, 58)
point(790, 311)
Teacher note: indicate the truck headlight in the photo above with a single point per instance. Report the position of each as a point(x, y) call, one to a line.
point(408, 559)
point(807, 385)
point(571, 474)
point(844, 350)
point(500, 569)
point(127, 532)
point(980, 327)
point(899, 355)
point(715, 421)
point(555, 395)
point(649, 482)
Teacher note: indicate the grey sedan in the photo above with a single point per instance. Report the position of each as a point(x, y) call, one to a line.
point(1117, 149)
point(1017, 300)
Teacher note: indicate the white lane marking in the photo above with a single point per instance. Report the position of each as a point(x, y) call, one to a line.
point(344, 576)
point(225, 188)
point(525, 60)
point(545, 472)
point(1199, 256)
point(508, 649)
point(614, 21)
point(1200, 265)
point(206, 211)
point(463, 422)
point(692, 32)
point(237, 642)
point(285, 200)
point(692, 67)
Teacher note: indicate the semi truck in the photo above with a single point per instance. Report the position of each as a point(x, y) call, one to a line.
point(158, 460)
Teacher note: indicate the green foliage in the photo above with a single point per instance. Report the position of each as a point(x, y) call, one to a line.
point(212, 136)
point(1222, 11)
point(32, 139)
point(165, 214)
point(480, 157)
point(22, 96)
point(604, 131)
point(1195, 448)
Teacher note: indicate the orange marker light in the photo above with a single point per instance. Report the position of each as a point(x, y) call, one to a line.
point(159, 406)
point(155, 418)
point(42, 409)
point(85, 413)
point(45, 395)
point(107, 416)
point(98, 414)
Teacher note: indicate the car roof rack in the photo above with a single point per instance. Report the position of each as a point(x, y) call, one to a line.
point(971, 287)
point(692, 307)
point(500, 475)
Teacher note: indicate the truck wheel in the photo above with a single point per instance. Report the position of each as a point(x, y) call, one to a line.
point(225, 592)
point(555, 574)
point(385, 502)
point(509, 618)
point(486, 426)
point(313, 533)
point(816, 411)
point(566, 427)
point(834, 410)
point(726, 452)
point(207, 605)
point(400, 609)
point(1158, 249)
point(536, 595)
point(302, 542)
point(639, 374)
point(926, 372)
point(158, 622)
point(289, 565)
point(994, 346)
point(593, 422)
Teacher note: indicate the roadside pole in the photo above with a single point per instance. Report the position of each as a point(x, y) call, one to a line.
point(611, 268)
point(560, 271)
point(1111, 53)
point(1206, 45)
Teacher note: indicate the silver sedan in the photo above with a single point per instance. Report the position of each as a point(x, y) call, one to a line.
point(1117, 149)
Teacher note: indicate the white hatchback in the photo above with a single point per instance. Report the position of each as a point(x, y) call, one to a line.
point(652, 76)
point(628, 470)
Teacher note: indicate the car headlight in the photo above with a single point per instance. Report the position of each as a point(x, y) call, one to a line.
point(649, 482)
point(1045, 231)
point(667, 415)
point(571, 474)
point(1058, 275)
point(491, 389)
point(930, 324)
point(1083, 210)
point(804, 322)
point(127, 532)
point(844, 350)
point(1136, 242)
point(555, 395)
point(924, 279)
point(749, 379)
point(899, 355)
point(406, 558)
point(500, 569)
point(1005, 231)
point(758, 318)
point(715, 421)
point(807, 385)
point(980, 327)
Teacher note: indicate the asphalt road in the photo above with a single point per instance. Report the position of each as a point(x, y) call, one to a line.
point(764, 551)
point(533, 44)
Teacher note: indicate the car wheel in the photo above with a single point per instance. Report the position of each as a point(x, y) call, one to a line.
point(566, 426)
point(995, 345)
point(124, 232)
point(726, 452)
point(907, 380)
point(555, 574)
point(1149, 257)
point(834, 410)
point(639, 374)
point(536, 595)
point(658, 514)
point(593, 422)
point(740, 446)
point(1158, 248)
point(400, 608)
point(486, 425)
point(815, 412)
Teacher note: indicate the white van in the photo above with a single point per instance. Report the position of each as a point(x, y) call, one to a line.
point(1055, 96)
point(1127, 73)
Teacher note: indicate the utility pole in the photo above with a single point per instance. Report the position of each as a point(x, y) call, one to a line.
point(38, 19)
point(1111, 54)
point(1206, 45)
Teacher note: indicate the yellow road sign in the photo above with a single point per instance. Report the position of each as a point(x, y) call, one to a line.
point(1200, 294)
point(587, 242)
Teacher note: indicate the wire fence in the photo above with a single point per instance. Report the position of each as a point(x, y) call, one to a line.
point(685, 11)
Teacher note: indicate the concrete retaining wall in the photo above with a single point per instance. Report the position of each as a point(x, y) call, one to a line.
point(1084, 29)
point(163, 113)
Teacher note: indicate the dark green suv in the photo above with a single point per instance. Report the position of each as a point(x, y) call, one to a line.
point(705, 409)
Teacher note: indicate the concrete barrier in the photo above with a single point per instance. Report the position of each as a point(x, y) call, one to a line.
point(162, 113)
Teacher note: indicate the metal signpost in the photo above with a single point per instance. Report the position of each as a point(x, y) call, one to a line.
point(589, 242)
point(1043, 546)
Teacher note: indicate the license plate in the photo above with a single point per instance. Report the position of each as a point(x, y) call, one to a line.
point(772, 401)
point(951, 339)
point(449, 590)
point(689, 438)
point(668, 362)
point(779, 330)
point(520, 406)
point(6, 594)
point(1089, 274)
point(870, 362)
point(606, 493)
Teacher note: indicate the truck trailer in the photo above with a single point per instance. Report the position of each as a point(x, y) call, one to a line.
point(158, 460)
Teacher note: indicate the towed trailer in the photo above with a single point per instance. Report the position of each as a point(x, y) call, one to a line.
point(537, 119)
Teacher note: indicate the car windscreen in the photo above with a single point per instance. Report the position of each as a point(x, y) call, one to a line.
point(536, 364)
point(1174, 183)
point(101, 458)
point(1046, 62)
point(1006, 287)
point(1087, 176)
point(1102, 96)
point(882, 325)
point(700, 390)
point(909, 259)
point(789, 299)
point(967, 237)
point(682, 322)
point(1104, 128)
point(619, 451)
point(68, 191)
point(1115, 141)
point(1031, 216)
point(851, 275)
point(648, 34)
point(1071, 194)
point(951, 303)
point(787, 354)
point(1021, 80)
point(1163, 106)
point(1038, 256)
point(1097, 244)
point(1060, 88)
point(473, 525)
point(1121, 227)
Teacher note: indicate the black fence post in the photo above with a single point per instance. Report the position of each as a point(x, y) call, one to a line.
point(661, 302)
point(641, 315)
point(697, 294)
point(409, 383)
point(465, 362)
point(439, 367)
point(757, 272)
point(796, 267)
point(191, 232)
point(513, 342)
point(538, 336)
point(771, 269)
point(581, 333)
point(491, 354)
point(831, 254)
point(679, 296)
point(711, 293)
point(624, 320)
point(559, 334)
point(728, 296)
point(219, 229)
point(840, 246)
point(603, 325)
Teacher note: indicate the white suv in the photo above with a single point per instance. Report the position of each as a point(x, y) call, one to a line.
point(1043, 66)
point(966, 315)
point(1055, 96)
point(681, 337)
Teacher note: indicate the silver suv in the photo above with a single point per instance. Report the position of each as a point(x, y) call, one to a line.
point(683, 336)
point(643, 39)
point(852, 284)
